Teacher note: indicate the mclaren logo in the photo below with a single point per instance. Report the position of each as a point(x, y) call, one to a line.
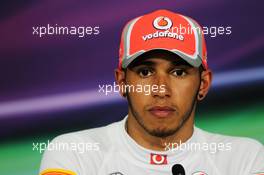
point(162, 23)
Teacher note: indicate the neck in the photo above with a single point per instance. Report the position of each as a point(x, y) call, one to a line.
point(148, 141)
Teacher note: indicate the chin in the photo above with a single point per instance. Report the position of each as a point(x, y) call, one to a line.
point(162, 131)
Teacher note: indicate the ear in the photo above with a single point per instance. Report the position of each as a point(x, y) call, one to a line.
point(120, 79)
point(206, 80)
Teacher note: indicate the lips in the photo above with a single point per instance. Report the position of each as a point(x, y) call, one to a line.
point(161, 111)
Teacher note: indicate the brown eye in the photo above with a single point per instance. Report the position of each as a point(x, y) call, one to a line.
point(179, 72)
point(145, 72)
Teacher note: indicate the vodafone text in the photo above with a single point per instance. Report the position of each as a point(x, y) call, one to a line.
point(166, 33)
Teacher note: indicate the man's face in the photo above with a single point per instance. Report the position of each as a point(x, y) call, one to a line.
point(164, 111)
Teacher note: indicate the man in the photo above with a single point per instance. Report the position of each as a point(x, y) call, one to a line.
point(167, 52)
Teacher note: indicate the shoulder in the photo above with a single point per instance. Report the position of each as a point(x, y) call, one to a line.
point(238, 143)
point(238, 150)
point(101, 136)
point(241, 153)
point(82, 151)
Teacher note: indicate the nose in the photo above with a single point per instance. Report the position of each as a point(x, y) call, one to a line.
point(162, 82)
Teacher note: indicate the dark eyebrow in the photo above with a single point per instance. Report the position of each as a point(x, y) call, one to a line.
point(180, 63)
point(143, 63)
point(174, 63)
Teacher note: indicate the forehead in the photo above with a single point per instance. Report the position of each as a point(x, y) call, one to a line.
point(158, 57)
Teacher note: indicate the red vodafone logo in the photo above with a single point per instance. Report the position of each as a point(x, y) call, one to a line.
point(158, 159)
point(162, 23)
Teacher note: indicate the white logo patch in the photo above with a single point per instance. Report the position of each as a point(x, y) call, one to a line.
point(162, 23)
